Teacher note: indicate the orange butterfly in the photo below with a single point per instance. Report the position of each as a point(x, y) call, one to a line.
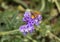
point(34, 14)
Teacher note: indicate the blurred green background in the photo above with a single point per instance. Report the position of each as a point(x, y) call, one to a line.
point(11, 14)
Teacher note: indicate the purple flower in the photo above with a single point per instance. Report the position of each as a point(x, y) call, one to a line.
point(26, 28)
point(22, 28)
point(39, 17)
point(27, 16)
point(30, 22)
point(37, 20)
point(27, 13)
point(26, 19)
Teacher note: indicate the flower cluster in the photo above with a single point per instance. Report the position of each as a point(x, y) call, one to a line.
point(30, 22)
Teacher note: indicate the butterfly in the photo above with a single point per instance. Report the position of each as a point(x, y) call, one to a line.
point(34, 14)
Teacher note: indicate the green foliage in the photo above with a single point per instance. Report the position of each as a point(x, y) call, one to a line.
point(11, 14)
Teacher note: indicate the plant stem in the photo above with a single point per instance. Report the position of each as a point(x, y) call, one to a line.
point(53, 36)
point(57, 5)
point(43, 5)
point(9, 32)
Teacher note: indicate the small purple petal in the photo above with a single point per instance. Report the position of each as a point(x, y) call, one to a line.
point(31, 22)
point(26, 19)
point(26, 28)
point(36, 22)
point(39, 17)
point(27, 14)
point(31, 30)
point(24, 33)
point(22, 28)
